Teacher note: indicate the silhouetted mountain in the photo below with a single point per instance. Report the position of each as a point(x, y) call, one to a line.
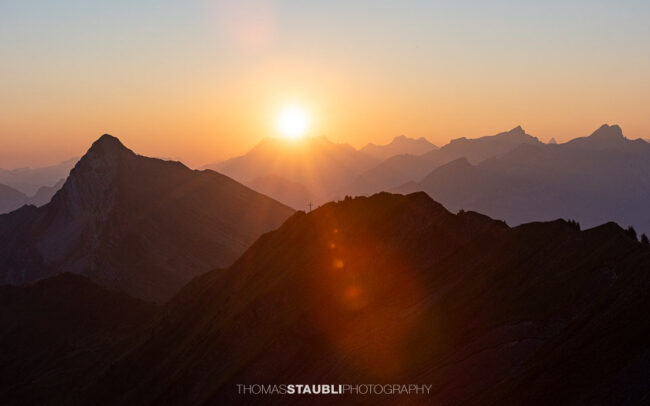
point(292, 194)
point(28, 180)
point(396, 289)
point(552, 141)
point(11, 199)
point(57, 332)
point(135, 224)
point(591, 179)
point(318, 164)
point(401, 169)
point(477, 150)
point(399, 146)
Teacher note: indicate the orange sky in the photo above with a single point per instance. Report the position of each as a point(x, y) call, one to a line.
point(203, 82)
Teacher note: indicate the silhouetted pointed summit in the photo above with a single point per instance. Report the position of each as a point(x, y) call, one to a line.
point(137, 224)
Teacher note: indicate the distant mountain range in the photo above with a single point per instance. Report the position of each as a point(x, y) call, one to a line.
point(135, 224)
point(511, 175)
point(399, 146)
point(29, 181)
point(404, 168)
point(383, 289)
point(590, 179)
point(12, 199)
point(316, 163)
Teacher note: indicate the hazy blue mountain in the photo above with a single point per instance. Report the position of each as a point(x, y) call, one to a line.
point(591, 179)
point(400, 145)
point(400, 169)
point(11, 199)
point(28, 180)
point(135, 224)
point(45, 193)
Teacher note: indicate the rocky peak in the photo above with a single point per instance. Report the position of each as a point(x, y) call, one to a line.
point(90, 184)
point(608, 132)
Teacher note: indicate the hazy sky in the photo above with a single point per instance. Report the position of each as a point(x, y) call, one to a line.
point(202, 80)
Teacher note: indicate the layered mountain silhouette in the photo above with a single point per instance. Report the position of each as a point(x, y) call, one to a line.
point(319, 165)
point(591, 179)
point(12, 199)
point(404, 168)
point(135, 224)
point(400, 145)
point(29, 180)
point(395, 288)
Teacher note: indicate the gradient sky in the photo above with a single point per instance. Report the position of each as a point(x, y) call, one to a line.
point(202, 80)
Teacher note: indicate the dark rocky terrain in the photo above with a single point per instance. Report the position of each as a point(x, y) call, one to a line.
point(60, 331)
point(397, 289)
point(135, 224)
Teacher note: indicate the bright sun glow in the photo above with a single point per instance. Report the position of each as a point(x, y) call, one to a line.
point(292, 122)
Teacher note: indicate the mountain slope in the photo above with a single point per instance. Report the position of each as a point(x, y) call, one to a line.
point(399, 146)
point(396, 289)
point(11, 199)
point(477, 150)
point(135, 224)
point(323, 167)
point(45, 193)
point(591, 179)
point(57, 332)
point(292, 194)
point(401, 169)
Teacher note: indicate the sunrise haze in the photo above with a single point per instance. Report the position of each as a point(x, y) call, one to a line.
point(204, 81)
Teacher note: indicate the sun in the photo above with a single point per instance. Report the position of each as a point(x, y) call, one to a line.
point(292, 122)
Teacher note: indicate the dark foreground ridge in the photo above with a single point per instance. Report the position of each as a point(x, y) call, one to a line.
point(396, 289)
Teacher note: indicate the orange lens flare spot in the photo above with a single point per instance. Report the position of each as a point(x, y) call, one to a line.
point(352, 293)
point(338, 264)
point(331, 245)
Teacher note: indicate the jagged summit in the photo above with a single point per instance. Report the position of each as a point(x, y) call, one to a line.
point(517, 131)
point(612, 132)
point(606, 136)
